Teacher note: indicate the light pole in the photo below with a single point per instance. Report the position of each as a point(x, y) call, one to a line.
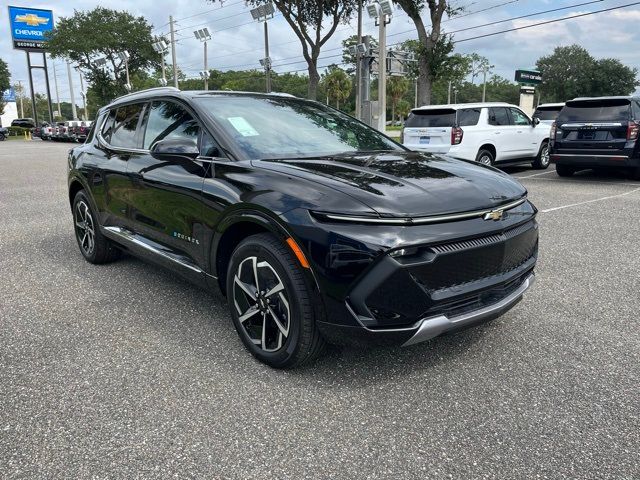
point(382, 13)
point(124, 57)
point(161, 46)
point(74, 114)
point(204, 36)
point(263, 13)
point(83, 94)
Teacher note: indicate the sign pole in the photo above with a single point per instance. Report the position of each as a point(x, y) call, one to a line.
point(46, 79)
point(33, 96)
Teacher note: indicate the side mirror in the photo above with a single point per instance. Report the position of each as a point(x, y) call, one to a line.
point(536, 121)
point(175, 149)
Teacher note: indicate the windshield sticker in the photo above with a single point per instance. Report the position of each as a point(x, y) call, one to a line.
point(243, 127)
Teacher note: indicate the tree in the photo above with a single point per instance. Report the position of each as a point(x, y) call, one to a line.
point(571, 72)
point(313, 22)
point(434, 46)
point(103, 33)
point(397, 87)
point(478, 65)
point(337, 84)
point(5, 83)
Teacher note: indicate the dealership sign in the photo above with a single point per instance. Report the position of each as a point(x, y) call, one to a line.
point(528, 77)
point(9, 95)
point(29, 27)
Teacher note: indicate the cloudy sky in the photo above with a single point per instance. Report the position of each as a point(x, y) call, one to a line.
point(238, 42)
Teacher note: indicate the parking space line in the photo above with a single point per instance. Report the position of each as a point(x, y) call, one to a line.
point(536, 174)
point(553, 209)
point(588, 182)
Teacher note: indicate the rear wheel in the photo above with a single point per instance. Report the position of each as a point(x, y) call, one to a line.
point(485, 157)
point(94, 246)
point(564, 170)
point(271, 303)
point(2, 137)
point(542, 160)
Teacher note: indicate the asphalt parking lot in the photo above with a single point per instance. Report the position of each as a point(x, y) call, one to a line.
point(124, 371)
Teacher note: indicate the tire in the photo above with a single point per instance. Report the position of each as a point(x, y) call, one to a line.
point(542, 160)
point(485, 157)
point(2, 137)
point(94, 246)
point(564, 170)
point(265, 330)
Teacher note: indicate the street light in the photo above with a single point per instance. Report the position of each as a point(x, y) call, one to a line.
point(382, 13)
point(263, 13)
point(161, 46)
point(82, 94)
point(124, 58)
point(204, 36)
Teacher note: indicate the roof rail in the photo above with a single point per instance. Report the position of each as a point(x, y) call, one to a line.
point(154, 89)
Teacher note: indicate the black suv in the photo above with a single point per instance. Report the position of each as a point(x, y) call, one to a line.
point(595, 133)
point(315, 226)
point(24, 123)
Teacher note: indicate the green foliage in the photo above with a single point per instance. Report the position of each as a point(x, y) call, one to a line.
point(397, 87)
point(571, 72)
point(337, 84)
point(17, 131)
point(102, 33)
point(5, 82)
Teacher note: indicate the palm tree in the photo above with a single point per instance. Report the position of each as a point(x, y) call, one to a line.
point(397, 87)
point(337, 84)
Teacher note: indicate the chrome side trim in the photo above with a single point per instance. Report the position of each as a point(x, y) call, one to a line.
point(582, 155)
point(434, 326)
point(127, 236)
point(425, 220)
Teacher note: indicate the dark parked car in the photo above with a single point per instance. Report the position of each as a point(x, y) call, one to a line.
point(315, 226)
point(597, 133)
point(24, 123)
point(4, 133)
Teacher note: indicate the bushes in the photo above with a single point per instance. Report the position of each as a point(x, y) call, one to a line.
point(17, 131)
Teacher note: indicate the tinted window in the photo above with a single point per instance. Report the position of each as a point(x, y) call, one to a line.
point(107, 126)
point(431, 118)
point(468, 117)
point(547, 113)
point(636, 110)
point(168, 120)
point(208, 146)
point(614, 110)
point(124, 127)
point(286, 127)
point(499, 116)
point(518, 117)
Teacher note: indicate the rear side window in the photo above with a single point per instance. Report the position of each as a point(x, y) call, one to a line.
point(499, 116)
point(635, 106)
point(547, 113)
point(468, 117)
point(613, 110)
point(431, 118)
point(168, 120)
point(125, 125)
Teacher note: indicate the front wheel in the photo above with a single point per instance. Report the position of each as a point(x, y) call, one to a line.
point(2, 137)
point(564, 170)
point(272, 306)
point(542, 160)
point(94, 246)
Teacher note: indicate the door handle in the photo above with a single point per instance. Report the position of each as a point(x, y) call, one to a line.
point(497, 133)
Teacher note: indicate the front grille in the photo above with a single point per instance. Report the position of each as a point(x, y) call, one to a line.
point(465, 262)
point(455, 277)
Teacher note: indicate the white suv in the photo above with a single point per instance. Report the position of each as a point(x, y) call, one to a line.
point(488, 133)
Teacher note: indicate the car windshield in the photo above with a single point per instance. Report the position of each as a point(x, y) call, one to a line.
point(285, 127)
point(547, 113)
point(613, 110)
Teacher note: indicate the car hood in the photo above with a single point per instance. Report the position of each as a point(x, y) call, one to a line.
point(407, 184)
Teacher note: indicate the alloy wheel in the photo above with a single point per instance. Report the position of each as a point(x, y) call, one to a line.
point(485, 160)
point(260, 299)
point(85, 228)
point(544, 156)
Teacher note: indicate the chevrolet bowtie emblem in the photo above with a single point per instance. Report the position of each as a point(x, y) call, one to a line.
point(32, 19)
point(494, 215)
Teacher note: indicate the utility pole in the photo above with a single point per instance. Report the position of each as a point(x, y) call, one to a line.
point(21, 95)
point(74, 114)
point(365, 81)
point(449, 94)
point(382, 73)
point(484, 84)
point(55, 83)
point(358, 65)
point(267, 67)
point(204, 36)
point(173, 51)
point(85, 115)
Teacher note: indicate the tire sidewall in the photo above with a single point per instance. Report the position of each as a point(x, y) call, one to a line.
point(263, 251)
point(483, 153)
point(82, 197)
